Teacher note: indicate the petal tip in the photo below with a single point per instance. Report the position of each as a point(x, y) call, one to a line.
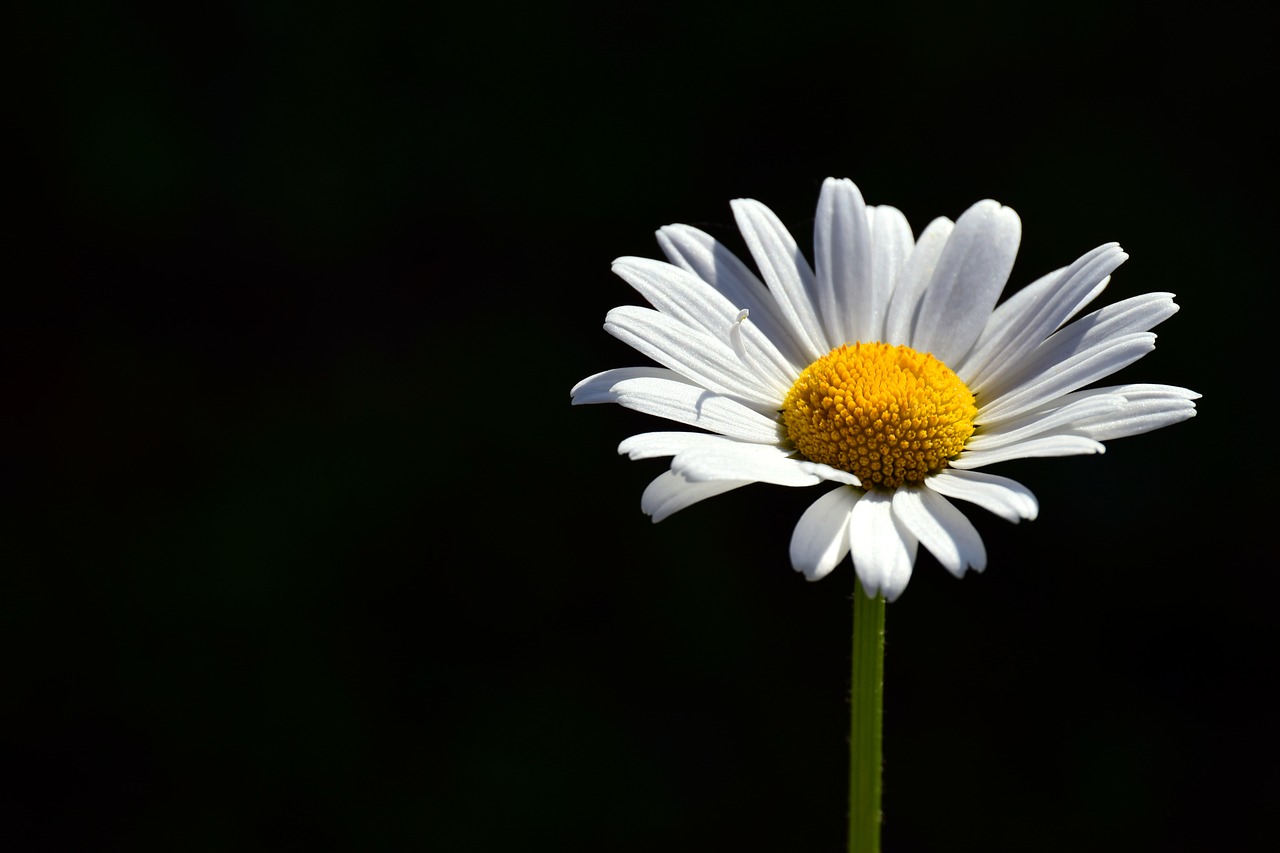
point(812, 574)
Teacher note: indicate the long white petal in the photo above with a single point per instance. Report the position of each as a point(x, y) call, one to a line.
point(1048, 445)
point(1068, 374)
point(740, 461)
point(1062, 418)
point(670, 493)
point(971, 272)
point(1007, 322)
point(891, 245)
point(821, 538)
point(900, 321)
point(826, 472)
point(1027, 318)
point(1151, 415)
point(1101, 330)
point(711, 261)
point(709, 362)
point(1006, 498)
point(598, 387)
point(682, 295)
point(703, 456)
point(1147, 407)
point(941, 528)
point(695, 406)
point(675, 291)
point(842, 260)
point(884, 551)
point(785, 270)
point(650, 445)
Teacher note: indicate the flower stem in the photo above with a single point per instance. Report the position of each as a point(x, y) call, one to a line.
point(866, 711)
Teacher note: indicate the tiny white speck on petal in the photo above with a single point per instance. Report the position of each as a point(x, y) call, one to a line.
point(735, 335)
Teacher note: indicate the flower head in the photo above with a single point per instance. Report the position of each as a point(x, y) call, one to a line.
point(885, 369)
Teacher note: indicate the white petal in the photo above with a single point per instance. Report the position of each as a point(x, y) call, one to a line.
point(1147, 407)
point(675, 292)
point(971, 271)
point(891, 245)
point(598, 388)
point(785, 270)
point(687, 298)
point(1006, 498)
point(1115, 326)
point(695, 406)
point(941, 528)
point(1008, 322)
point(826, 472)
point(1027, 318)
point(650, 445)
point(708, 259)
point(821, 538)
point(707, 361)
point(670, 493)
point(1061, 418)
point(740, 461)
point(883, 549)
point(1068, 374)
point(1151, 416)
point(900, 321)
point(1049, 445)
point(842, 261)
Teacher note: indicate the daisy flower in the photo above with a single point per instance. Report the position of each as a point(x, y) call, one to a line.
point(885, 369)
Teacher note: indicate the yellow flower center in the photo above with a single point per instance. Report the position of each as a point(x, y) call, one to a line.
point(886, 414)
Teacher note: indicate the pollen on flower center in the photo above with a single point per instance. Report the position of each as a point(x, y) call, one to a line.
point(887, 414)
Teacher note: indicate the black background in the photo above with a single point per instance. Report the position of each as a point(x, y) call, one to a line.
point(307, 550)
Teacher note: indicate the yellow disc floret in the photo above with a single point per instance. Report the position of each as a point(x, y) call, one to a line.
point(887, 414)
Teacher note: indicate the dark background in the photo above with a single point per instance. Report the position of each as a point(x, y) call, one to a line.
point(306, 549)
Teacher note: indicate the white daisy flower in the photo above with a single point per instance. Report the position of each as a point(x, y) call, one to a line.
point(885, 369)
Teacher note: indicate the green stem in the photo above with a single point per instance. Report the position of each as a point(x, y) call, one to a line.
point(866, 711)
